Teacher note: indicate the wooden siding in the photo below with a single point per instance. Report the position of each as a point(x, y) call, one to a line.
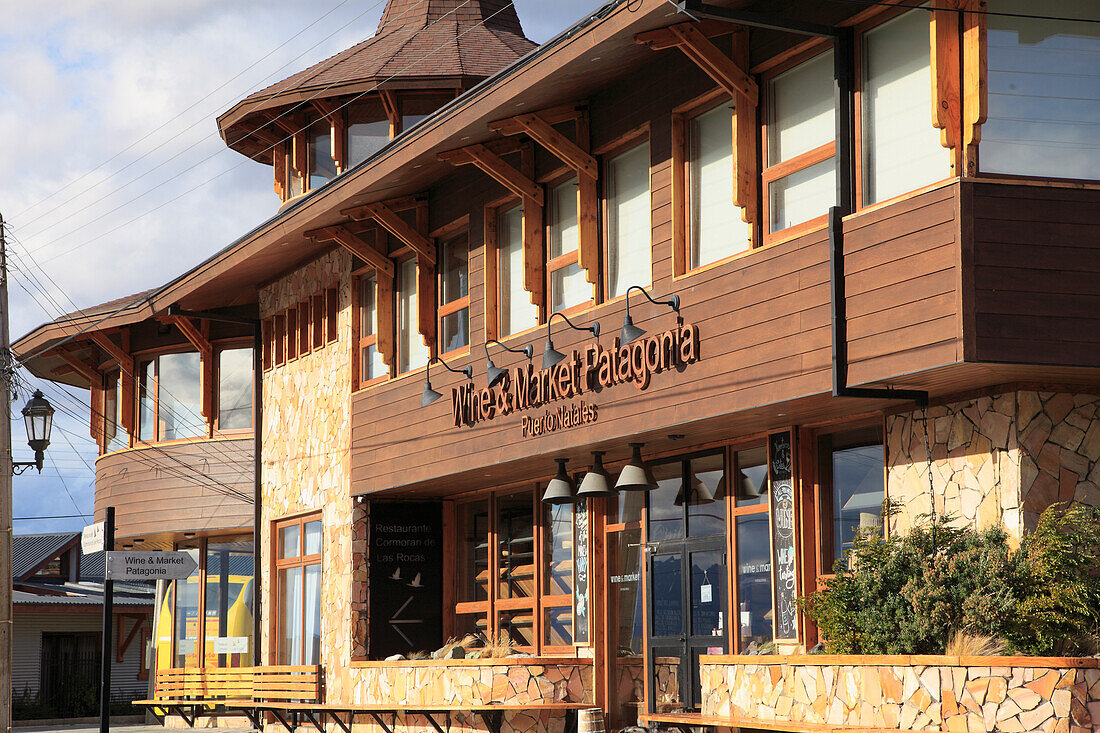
point(173, 488)
point(1036, 274)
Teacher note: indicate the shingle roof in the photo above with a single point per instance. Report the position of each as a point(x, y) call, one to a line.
point(31, 550)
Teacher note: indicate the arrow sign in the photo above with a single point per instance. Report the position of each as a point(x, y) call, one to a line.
point(150, 565)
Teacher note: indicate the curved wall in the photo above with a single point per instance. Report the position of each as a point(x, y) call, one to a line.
point(174, 488)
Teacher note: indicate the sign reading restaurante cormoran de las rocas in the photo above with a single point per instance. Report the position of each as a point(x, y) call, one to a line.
point(587, 369)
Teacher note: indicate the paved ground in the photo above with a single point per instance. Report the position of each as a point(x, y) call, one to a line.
point(116, 728)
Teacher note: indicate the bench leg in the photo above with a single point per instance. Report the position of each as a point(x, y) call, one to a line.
point(494, 719)
point(431, 719)
point(381, 723)
point(291, 727)
point(319, 725)
point(254, 717)
point(335, 717)
point(190, 720)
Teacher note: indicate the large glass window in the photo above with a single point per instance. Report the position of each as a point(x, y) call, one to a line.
point(322, 168)
point(567, 286)
point(510, 541)
point(412, 352)
point(235, 389)
point(1044, 90)
point(298, 595)
point(851, 468)
point(752, 543)
point(186, 612)
point(366, 138)
point(170, 398)
point(454, 294)
point(228, 618)
point(114, 436)
point(516, 311)
point(901, 149)
point(371, 365)
point(629, 253)
point(801, 173)
point(715, 228)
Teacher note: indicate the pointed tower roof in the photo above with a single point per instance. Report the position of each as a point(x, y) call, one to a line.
point(420, 44)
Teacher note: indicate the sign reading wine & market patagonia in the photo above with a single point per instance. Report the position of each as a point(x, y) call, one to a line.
point(589, 368)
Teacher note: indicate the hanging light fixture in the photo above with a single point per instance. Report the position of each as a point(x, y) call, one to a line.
point(694, 492)
point(636, 475)
point(560, 488)
point(596, 483)
point(38, 417)
point(429, 395)
point(493, 373)
point(631, 332)
point(550, 355)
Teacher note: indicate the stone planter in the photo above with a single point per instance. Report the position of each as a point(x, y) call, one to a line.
point(940, 693)
point(458, 682)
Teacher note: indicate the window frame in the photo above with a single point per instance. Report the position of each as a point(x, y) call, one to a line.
point(232, 345)
point(153, 356)
point(494, 302)
point(359, 277)
point(397, 294)
point(623, 144)
point(551, 266)
point(300, 561)
point(453, 232)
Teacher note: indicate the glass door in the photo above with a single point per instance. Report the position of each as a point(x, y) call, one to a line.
point(687, 577)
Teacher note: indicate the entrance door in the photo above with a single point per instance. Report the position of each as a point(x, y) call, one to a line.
point(686, 572)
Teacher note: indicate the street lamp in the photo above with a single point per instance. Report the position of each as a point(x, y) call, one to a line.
point(38, 416)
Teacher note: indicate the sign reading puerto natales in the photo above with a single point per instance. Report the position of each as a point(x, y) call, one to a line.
point(591, 367)
point(150, 565)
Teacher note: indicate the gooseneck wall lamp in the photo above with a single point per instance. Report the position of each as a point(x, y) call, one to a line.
point(630, 331)
point(493, 373)
point(38, 416)
point(550, 355)
point(430, 395)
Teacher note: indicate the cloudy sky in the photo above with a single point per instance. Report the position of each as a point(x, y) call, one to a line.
point(112, 176)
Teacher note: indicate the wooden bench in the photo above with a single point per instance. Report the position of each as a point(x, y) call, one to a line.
point(191, 692)
point(685, 721)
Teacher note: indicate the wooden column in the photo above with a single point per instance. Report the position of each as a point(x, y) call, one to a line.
point(946, 78)
point(975, 96)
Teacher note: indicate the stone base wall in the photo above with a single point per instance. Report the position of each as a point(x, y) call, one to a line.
point(1007, 694)
point(999, 459)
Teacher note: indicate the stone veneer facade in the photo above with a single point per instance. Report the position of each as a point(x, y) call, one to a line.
point(1003, 694)
point(997, 459)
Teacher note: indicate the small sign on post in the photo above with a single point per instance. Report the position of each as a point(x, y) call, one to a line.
point(91, 538)
point(150, 565)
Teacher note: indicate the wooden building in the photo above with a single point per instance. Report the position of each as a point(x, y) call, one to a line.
point(869, 234)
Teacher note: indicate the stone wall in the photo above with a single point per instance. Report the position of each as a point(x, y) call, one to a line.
point(998, 459)
point(1009, 694)
point(306, 455)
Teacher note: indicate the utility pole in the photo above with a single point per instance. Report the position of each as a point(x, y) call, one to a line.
point(5, 492)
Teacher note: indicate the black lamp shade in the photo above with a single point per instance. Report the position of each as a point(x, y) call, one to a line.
point(551, 356)
point(429, 395)
point(630, 331)
point(636, 475)
point(596, 483)
point(560, 488)
point(493, 373)
point(38, 416)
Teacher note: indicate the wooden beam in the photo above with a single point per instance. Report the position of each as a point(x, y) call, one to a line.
point(383, 304)
point(946, 77)
point(393, 110)
point(553, 115)
point(567, 151)
point(124, 644)
point(663, 38)
point(202, 344)
point(278, 157)
point(352, 242)
point(975, 93)
point(78, 365)
point(287, 122)
point(114, 351)
point(388, 219)
point(746, 167)
point(719, 67)
point(496, 168)
point(426, 287)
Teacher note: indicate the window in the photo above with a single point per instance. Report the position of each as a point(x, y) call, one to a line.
point(412, 353)
point(801, 173)
point(516, 311)
point(322, 168)
point(901, 149)
point(235, 389)
point(298, 593)
point(187, 626)
point(1044, 96)
point(304, 343)
point(629, 224)
point(114, 438)
point(851, 469)
point(170, 397)
point(366, 138)
point(566, 280)
point(454, 294)
point(715, 228)
point(515, 571)
point(371, 365)
point(752, 544)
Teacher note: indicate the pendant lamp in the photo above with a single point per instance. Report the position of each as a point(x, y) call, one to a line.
point(636, 475)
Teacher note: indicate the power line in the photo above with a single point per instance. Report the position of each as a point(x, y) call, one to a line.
point(192, 106)
point(1000, 13)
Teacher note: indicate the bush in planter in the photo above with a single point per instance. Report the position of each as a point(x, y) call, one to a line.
point(911, 594)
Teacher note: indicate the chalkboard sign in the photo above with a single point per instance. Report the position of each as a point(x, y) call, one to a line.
point(784, 570)
point(405, 561)
point(580, 573)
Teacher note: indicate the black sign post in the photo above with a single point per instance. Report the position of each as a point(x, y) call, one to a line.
point(405, 561)
point(108, 623)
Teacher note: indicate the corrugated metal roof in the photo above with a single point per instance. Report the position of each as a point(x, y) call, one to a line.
point(31, 550)
point(81, 594)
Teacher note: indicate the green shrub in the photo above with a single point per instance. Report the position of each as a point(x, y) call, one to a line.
point(910, 594)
